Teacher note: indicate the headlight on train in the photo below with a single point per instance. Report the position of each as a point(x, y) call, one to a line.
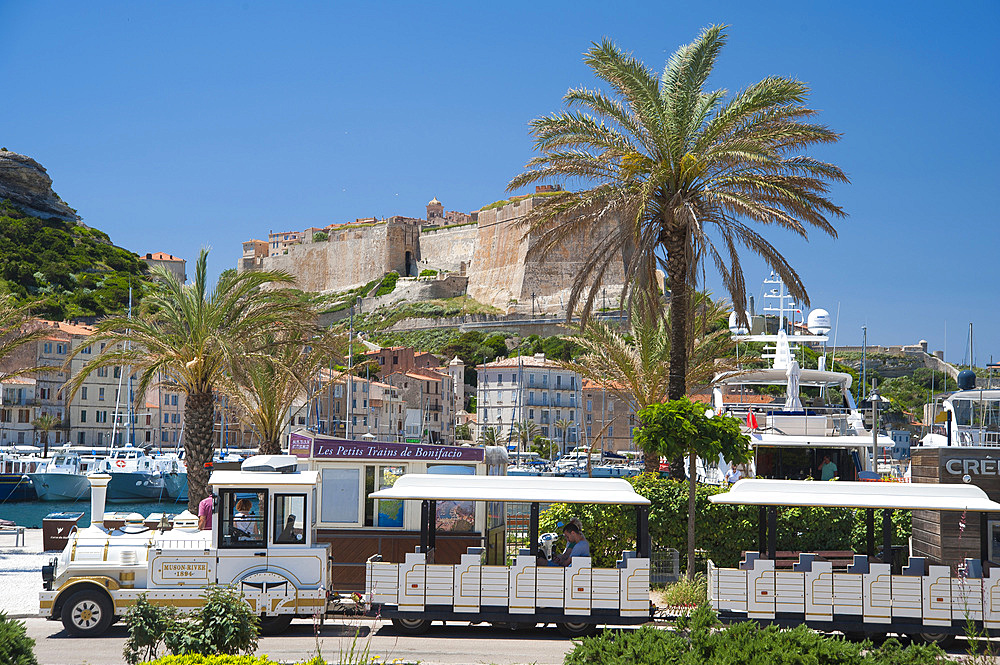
point(49, 573)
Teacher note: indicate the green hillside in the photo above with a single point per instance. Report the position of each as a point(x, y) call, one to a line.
point(68, 271)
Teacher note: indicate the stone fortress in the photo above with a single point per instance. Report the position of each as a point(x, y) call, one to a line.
point(484, 254)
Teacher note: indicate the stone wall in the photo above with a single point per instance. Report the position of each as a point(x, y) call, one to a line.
point(352, 256)
point(448, 249)
point(507, 273)
point(413, 290)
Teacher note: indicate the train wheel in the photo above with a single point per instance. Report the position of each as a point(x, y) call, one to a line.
point(570, 629)
point(411, 626)
point(275, 625)
point(87, 613)
point(941, 639)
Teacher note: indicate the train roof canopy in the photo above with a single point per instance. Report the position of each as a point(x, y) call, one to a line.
point(527, 489)
point(839, 494)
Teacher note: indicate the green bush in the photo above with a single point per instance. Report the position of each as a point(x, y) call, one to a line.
point(699, 641)
point(224, 625)
point(723, 531)
point(16, 648)
point(388, 284)
point(427, 272)
point(686, 593)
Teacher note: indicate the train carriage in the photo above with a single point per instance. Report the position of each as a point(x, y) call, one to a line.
point(872, 595)
point(526, 591)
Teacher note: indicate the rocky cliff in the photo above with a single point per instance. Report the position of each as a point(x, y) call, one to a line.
point(26, 184)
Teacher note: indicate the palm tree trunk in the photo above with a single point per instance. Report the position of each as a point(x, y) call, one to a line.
point(199, 444)
point(677, 270)
point(270, 446)
point(692, 470)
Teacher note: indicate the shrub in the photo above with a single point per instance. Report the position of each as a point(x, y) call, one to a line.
point(698, 641)
point(224, 625)
point(686, 593)
point(388, 284)
point(320, 236)
point(16, 648)
point(427, 272)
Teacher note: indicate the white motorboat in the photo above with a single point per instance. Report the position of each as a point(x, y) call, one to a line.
point(135, 476)
point(64, 477)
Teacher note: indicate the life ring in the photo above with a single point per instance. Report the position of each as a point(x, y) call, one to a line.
point(120, 463)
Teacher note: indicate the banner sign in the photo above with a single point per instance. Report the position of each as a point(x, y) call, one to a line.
point(322, 448)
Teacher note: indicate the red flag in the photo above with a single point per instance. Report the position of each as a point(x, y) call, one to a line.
point(751, 420)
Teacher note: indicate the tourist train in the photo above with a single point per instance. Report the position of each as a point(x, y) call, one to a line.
point(267, 540)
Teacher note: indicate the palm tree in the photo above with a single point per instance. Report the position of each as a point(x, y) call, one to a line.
point(524, 433)
point(17, 330)
point(192, 337)
point(563, 426)
point(489, 437)
point(44, 424)
point(677, 176)
point(265, 388)
point(633, 367)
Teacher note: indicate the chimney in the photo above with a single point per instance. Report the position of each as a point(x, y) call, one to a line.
point(98, 493)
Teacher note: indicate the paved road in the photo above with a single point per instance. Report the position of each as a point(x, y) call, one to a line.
point(451, 645)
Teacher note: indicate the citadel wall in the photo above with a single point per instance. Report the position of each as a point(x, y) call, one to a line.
point(448, 249)
point(505, 272)
point(352, 256)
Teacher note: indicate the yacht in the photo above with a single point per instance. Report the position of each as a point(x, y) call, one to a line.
point(796, 416)
point(970, 417)
point(64, 477)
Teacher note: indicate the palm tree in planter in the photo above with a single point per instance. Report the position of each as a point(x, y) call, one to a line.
point(45, 423)
point(677, 175)
point(265, 388)
point(190, 337)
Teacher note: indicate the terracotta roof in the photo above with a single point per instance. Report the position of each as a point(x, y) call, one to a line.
point(68, 327)
point(162, 256)
point(20, 380)
point(523, 361)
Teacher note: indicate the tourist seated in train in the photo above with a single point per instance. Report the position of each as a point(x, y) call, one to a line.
point(576, 546)
point(288, 534)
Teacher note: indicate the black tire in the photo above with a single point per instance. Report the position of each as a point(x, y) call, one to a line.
point(940, 639)
point(574, 629)
point(87, 613)
point(275, 625)
point(411, 626)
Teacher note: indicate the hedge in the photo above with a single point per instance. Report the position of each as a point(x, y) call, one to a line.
point(723, 531)
point(702, 642)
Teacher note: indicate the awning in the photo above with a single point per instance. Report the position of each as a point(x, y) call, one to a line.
point(527, 489)
point(838, 494)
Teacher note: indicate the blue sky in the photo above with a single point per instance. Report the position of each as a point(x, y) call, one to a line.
point(174, 126)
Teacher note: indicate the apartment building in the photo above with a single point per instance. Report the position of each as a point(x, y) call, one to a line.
point(429, 396)
point(281, 241)
point(393, 359)
point(352, 407)
point(18, 409)
point(172, 264)
point(609, 421)
point(529, 389)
